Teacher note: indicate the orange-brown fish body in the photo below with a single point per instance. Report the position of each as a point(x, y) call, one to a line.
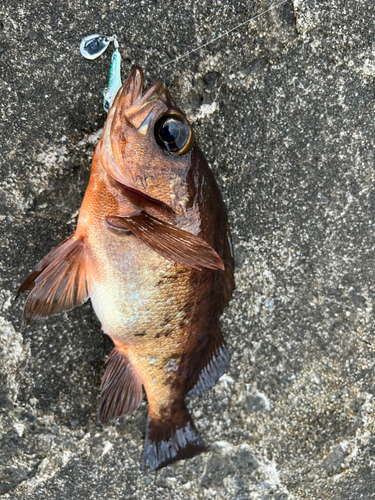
point(154, 255)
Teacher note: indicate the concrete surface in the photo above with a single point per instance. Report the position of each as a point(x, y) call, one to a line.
point(284, 111)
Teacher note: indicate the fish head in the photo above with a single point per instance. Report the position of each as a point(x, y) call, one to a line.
point(147, 142)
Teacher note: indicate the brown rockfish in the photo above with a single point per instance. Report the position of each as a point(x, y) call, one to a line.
point(152, 250)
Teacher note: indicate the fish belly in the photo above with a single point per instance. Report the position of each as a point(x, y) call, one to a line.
point(139, 296)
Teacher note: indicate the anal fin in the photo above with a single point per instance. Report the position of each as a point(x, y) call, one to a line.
point(171, 439)
point(214, 359)
point(121, 390)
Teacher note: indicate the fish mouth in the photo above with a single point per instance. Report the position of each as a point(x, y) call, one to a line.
point(130, 109)
point(132, 88)
point(154, 92)
point(130, 92)
point(139, 101)
point(130, 96)
point(135, 107)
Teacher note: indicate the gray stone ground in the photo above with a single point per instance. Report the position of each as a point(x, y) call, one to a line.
point(284, 111)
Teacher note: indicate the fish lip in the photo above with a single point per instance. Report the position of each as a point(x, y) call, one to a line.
point(152, 94)
point(137, 76)
point(131, 93)
point(134, 83)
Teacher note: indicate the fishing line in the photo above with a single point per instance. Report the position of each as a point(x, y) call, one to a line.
point(92, 46)
point(224, 34)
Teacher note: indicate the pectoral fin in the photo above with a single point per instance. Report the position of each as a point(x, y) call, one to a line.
point(144, 199)
point(60, 281)
point(169, 241)
point(60, 249)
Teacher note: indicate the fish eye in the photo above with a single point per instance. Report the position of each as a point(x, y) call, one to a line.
point(174, 133)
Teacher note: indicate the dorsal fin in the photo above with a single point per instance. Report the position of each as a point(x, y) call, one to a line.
point(213, 362)
point(121, 389)
point(60, 281)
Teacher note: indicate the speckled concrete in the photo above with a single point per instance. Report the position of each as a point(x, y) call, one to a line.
point(284, 111)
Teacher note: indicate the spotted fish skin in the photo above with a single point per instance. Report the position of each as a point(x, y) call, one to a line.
point(152, 250)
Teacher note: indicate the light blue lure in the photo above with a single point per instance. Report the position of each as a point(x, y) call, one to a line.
point(114, 82)
point(93, 46)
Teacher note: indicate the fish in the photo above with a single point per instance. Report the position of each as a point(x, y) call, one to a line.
point(152, 250)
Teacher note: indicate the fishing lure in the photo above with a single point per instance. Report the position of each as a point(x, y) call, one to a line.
point(93, 46)
point(114, 82)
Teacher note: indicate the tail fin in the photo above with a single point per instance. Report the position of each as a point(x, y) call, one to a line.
point(170, 440)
